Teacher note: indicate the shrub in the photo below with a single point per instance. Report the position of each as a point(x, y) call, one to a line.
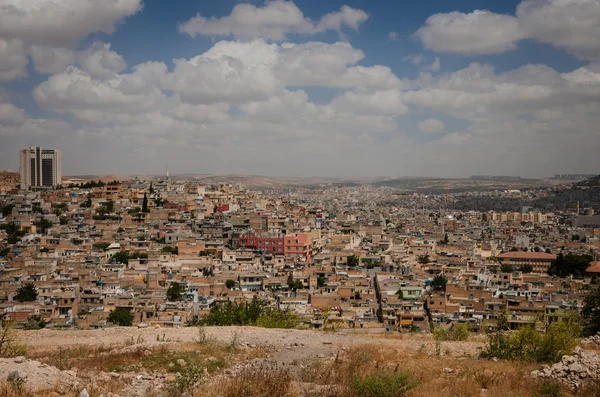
point(9, 345)
point(184, 382)
point(255, 312)
point(550, 389)
point(35, 322)
point(530, 345)
point(458, 332)
point(120, 316)
point(382, 384)
point(591, 313)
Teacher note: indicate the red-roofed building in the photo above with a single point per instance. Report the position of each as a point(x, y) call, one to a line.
point(593, 269)
point(540, 261)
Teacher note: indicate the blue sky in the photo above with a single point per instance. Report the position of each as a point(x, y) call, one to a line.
point(300, 88)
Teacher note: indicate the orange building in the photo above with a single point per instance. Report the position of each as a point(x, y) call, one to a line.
point(297, 245)
point(540, 261)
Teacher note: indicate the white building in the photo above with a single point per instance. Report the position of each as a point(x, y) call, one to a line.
point(40, 167)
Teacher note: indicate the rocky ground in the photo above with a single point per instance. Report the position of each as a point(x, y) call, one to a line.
point(143, 362)
point(583, 365)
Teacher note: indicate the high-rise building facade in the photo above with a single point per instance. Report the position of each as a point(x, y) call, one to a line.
point(40, 167)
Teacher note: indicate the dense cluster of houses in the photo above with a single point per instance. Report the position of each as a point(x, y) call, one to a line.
point(90, 249)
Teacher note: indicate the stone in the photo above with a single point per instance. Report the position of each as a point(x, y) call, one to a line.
point(181, 362)
point(84, 393)
point(20, 359)
point(143, 325)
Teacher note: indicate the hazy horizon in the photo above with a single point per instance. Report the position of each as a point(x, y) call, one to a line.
point(344, 88)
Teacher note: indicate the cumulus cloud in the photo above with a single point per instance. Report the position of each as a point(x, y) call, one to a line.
point(393, 36)
point(11, 115)
point(61, 22)
point(273, 21)
point(480, 32)
point(13, 60)
point(51, 60)
point(100, 62)
point(573, 25)
point(48, 31)
point(570, 24)
point(432, 126)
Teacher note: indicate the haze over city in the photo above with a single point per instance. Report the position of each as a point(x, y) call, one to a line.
point(303, 88)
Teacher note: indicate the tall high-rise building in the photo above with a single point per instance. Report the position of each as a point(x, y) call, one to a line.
point(40, 167)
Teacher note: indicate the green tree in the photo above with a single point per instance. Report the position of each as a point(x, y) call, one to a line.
point(506, 268)
point(295, 285)
point(423, 259)
point(26, 293)
point(321, 282)
point(590, 312)
point(121, 317)
point(35, 322)
point(145, 204)
point(569, 264)
point(4, 251)
point(121, 257)
point(87, 203)
point(7, 209)
point(439, 282)
point(174, 293)
point(400, 294)
point(44, 224)
point(353, 260)
point(230, 283)
point(63, 220)
point(526, 268)
point(101, 246)
point(170, 250)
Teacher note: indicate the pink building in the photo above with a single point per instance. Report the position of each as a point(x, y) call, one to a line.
point(297, 245)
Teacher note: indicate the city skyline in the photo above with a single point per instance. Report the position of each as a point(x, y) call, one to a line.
point(303, 88)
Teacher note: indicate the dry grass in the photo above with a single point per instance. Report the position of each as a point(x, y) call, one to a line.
point(436, 376)
point(445, 375)
point(262, 382)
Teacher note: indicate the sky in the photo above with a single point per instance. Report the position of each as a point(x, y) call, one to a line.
point(303, 88)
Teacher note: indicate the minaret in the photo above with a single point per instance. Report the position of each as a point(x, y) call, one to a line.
point(167, 172)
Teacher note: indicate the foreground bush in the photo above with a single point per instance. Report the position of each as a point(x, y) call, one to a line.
point(529, 345)
point(458, 332)
point(382, 384)
point(255, 312)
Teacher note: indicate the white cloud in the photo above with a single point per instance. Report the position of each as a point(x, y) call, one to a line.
point(61, 22)
point(75, 91)
point(432, 126)
point(13, 60)
point(242, 103)
point(435, 65)
point(480, 32)
point(570, 24)
point(11, 115)
point(345, 17)
point(51, 60)
point(273, 21)
point(573, 25)
point(393, 36)
point(100, 62)
point(383, 103)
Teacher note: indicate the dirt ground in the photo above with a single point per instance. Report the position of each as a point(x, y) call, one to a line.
point(289, 344)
